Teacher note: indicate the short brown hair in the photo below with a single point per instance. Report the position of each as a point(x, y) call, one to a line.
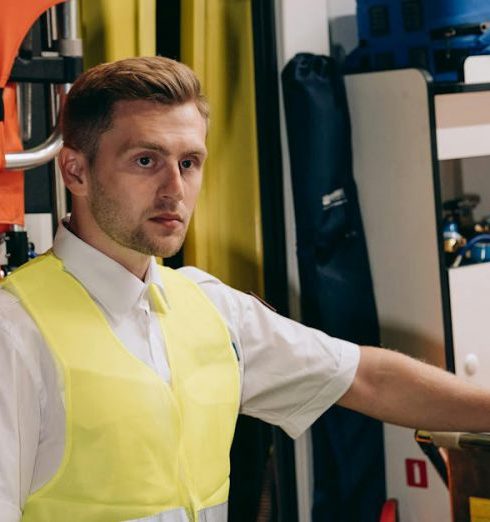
point(88, 109)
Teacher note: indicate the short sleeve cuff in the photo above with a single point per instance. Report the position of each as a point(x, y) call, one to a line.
point(297, 423)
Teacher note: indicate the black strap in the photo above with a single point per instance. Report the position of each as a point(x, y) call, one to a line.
point(2, 111)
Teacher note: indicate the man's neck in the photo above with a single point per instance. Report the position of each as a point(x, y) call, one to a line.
point(133, 261)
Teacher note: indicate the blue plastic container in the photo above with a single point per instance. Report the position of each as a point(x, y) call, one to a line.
point(436, 35)
point(480, 252)
point(446, 13)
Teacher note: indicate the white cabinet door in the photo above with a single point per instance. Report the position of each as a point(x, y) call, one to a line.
point(469, 288)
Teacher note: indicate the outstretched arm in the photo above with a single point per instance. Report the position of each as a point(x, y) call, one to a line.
point(400, 390)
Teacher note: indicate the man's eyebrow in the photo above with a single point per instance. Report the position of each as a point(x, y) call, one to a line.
point(162, 150)
point(145, 145)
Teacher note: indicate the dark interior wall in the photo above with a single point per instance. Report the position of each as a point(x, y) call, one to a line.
point(273, 226)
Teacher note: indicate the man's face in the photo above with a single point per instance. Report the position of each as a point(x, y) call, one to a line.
point(146, 177)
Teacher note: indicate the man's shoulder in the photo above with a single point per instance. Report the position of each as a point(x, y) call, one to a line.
point(224, 297)
point(198, 276)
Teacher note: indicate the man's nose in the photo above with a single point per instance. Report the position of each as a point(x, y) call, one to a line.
point(171, 185)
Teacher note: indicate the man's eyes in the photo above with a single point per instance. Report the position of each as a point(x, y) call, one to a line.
point(145, 161)
point(186, 164)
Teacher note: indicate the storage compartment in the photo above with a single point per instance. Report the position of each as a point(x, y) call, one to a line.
point(416, 145)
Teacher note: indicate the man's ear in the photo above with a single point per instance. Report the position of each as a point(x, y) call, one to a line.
point(74, 169)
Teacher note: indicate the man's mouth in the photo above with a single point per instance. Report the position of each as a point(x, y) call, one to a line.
point(168, 219)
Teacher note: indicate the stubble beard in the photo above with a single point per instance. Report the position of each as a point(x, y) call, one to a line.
point(109, 215)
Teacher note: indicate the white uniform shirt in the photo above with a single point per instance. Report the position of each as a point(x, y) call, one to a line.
point(290, 374)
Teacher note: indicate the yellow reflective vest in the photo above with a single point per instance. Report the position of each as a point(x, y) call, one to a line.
point(135, 446)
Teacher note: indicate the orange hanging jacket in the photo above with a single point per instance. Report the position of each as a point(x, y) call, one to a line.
point(16, 18)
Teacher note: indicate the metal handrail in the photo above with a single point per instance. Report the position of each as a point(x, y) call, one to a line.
point(43, 153)
point(39, 155)
point(456, 440)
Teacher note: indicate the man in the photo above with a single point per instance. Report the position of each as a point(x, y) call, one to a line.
point(120, 381)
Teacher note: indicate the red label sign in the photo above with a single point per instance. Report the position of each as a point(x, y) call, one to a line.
point(416, 473)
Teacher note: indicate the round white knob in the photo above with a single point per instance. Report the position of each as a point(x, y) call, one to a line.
point(471, 364)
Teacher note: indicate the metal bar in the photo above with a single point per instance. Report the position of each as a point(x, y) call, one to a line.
point(70, 19)
point(70, 44)
point(26, 103)
point(475, 440)
point(43, 153)
point(36, 156)
point(455, 440)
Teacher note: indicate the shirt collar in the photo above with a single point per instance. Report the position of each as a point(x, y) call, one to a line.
point(108, 282)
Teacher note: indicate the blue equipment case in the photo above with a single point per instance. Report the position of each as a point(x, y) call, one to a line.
point(336, 288)
point(436, 35)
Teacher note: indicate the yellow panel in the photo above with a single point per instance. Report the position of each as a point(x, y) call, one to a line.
point(115, 29)
point(146, 28)
point(225, 235)
point(479, 509)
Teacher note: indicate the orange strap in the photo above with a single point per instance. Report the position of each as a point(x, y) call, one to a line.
point(11, 182)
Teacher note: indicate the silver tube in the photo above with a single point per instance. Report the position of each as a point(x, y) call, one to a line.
point(454, 440)
point(475, 440)
point(70, 44)
point(29, 159)
point(49, 27)
point(25, 102)
point(20, 108)
point(70, 19)
point(53, 25)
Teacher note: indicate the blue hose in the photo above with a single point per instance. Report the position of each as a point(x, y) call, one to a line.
point(462, 251)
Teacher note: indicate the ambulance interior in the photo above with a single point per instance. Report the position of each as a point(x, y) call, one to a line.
point(420, 153)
